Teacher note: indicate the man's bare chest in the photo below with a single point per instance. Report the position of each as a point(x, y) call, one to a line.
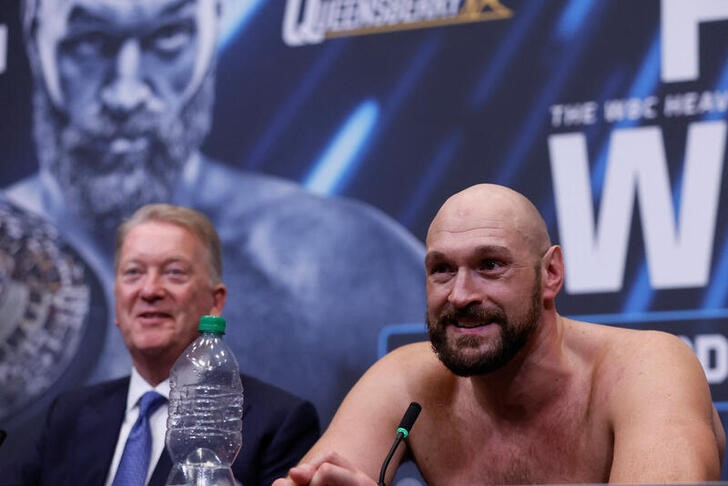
point(563, 449)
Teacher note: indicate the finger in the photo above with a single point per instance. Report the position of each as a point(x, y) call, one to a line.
point(329, 474)
point(301, 475)
point(332, 458)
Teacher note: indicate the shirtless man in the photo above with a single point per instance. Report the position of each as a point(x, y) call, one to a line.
point(513, 392)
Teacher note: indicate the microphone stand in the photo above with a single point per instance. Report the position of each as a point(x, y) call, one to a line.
point(402, 431)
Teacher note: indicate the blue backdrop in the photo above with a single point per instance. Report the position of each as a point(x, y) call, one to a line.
point(610, 116)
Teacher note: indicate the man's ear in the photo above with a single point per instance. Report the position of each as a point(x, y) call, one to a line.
point(219, 296)
point(30, 25)
point(44, 71)
point(552, 276)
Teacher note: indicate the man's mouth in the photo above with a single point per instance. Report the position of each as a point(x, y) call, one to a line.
point(128, 145)
point(153, 315)
point(470, 325)
point(476, 328)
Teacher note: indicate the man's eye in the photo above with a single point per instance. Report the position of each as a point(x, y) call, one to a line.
point(489, 264)
point(89, 44)
point(171, 38)
point(440, 268)
point(175, 272)
point(132, 272)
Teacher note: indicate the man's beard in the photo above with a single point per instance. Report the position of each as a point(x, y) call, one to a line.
point(103, 188)
point(515, 333)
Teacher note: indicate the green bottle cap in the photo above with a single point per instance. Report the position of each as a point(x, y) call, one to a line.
point(214, 324)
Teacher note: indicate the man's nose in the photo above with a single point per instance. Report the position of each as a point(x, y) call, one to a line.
point(463, 291)
point(126, 90)
point(152, 288)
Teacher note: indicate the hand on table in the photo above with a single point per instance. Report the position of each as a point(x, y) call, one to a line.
point(330, 469)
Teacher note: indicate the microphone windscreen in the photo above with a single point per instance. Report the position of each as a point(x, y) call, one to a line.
point(410, 416)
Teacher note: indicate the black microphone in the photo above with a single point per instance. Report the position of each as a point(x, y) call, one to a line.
point(408, 420)
point(3, 434)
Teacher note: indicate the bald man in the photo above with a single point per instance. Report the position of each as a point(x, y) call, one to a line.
point(512, 392)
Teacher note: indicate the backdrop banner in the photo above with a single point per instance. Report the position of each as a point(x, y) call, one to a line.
point(320, 137)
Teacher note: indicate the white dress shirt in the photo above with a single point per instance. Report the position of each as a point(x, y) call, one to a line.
point(157, 422)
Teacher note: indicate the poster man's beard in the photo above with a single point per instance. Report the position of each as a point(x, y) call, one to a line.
point(514, 334)
point(102, 187)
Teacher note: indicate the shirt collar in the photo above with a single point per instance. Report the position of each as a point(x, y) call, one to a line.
point(138, 386)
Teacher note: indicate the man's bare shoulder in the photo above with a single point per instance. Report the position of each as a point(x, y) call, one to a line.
point(364, 424)
point(627, 364)
point(609, 346)
point(399, 375)
point(412, 354)
point(650, 390)
point(415, 365)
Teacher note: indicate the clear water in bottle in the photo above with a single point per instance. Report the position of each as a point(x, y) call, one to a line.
point(204, 426)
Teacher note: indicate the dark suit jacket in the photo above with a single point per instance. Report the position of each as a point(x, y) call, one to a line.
point(82, 426)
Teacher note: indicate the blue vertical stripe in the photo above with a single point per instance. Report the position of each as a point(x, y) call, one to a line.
point(236, 15)
point(649, 75)
point(573, 18)
point(506, 54)
point(643, 85)
point(401, 91)
point(715, 294)
point(516, 157)
point(722, 78)
point(640, 293)
point(285, 114)
point(434, 175)
point(407, 83)
point(340, 158)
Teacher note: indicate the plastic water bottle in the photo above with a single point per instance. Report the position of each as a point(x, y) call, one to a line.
point(204, 426)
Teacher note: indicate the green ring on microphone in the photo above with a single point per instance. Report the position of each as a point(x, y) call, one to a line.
point(403, 431)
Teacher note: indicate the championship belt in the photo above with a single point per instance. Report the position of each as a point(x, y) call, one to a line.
point(51, 306)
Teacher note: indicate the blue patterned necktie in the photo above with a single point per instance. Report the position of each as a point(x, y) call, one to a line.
point(134, 462)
